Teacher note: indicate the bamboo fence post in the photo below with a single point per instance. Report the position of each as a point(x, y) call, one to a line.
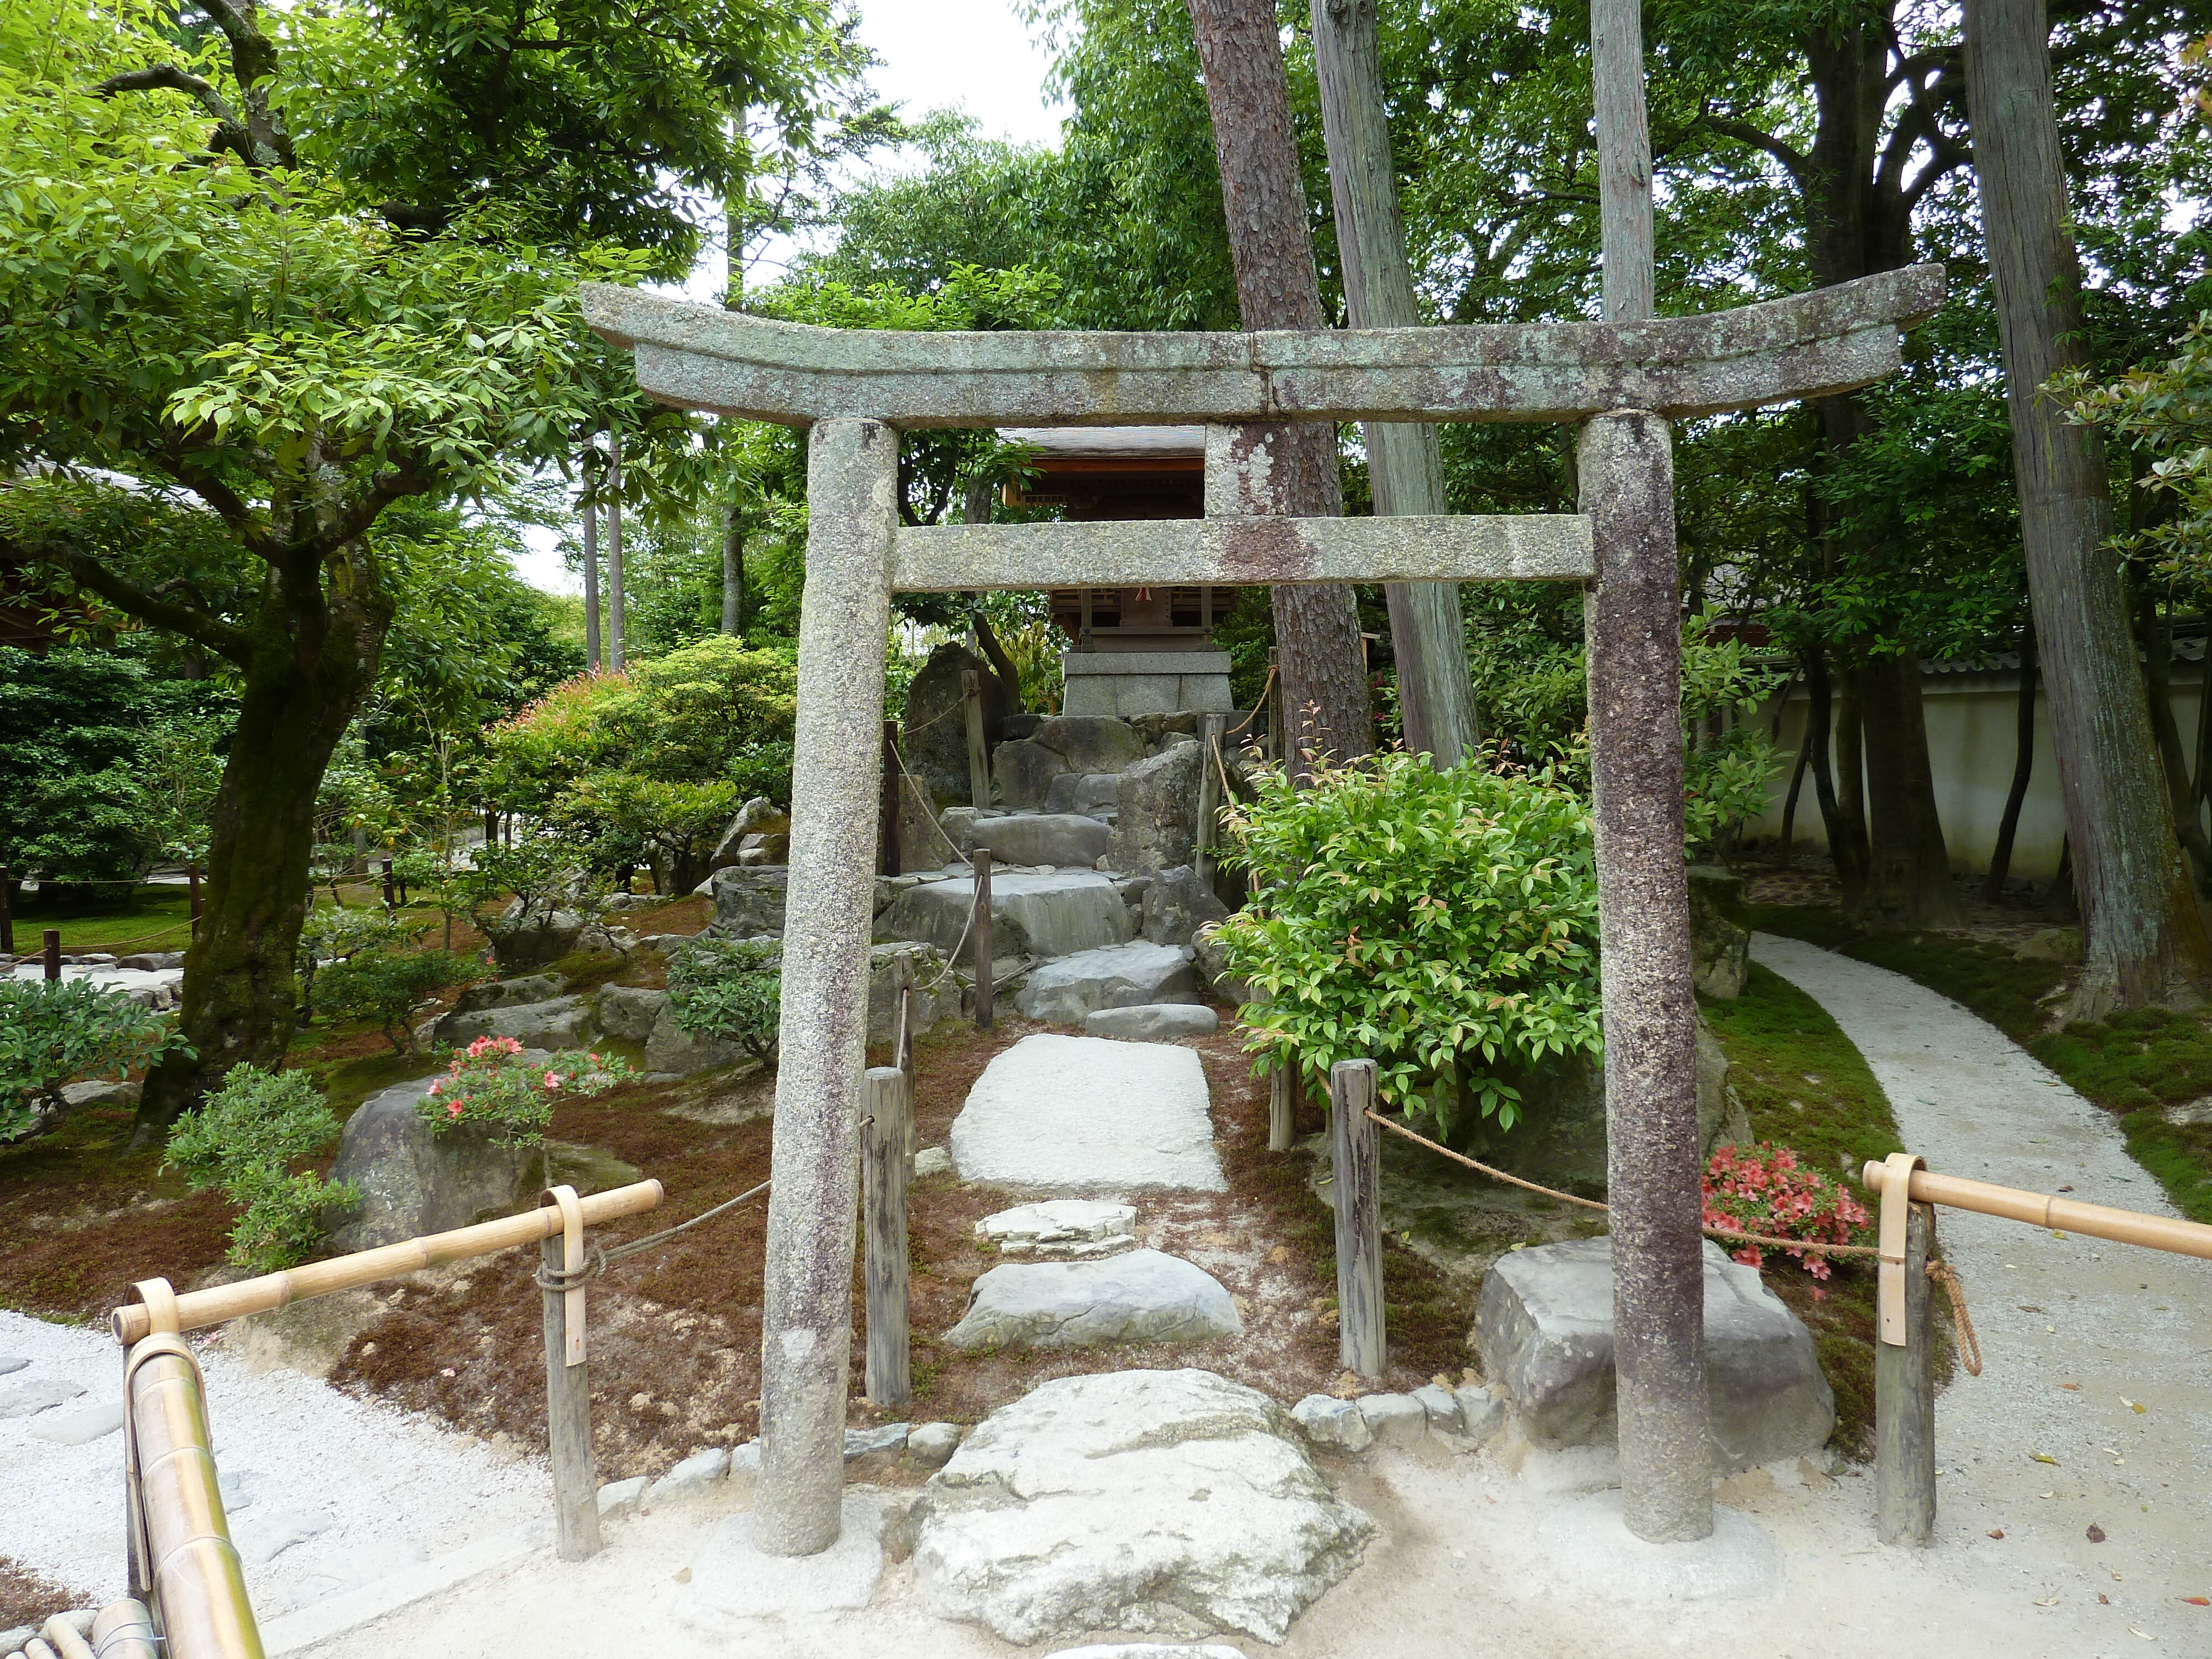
point(984, 988)
point(979, 762)
point(1210, 728)
point(887, 1117)
point(1357, 1182)
point(569, 1395)
point(1903, 1365)
point(52, 951)
point(1284, 1091)
point(887, 859)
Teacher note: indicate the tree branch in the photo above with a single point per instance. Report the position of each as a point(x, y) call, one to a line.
point(1794, 161)
point(87, 572)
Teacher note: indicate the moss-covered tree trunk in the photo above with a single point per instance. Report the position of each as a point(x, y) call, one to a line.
point(313, 649)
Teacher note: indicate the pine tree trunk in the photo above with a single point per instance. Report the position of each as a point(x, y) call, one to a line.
point(1847, 841)
point(1908, 868)
point(2157, 640)
point(733, 572)
point(1323, 662)
point(1435, 696)
point(2146, 939)
point(314, 664)
point(2023, 770)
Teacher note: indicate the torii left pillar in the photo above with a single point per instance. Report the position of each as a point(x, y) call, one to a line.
point(806, 1331)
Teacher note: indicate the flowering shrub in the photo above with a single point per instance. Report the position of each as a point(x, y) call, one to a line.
point(490, 1082)
point(1762, 1190)
point(245, 1138)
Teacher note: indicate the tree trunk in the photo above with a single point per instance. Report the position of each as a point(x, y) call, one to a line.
point(592, 656)
point(313, 666)
point(1796, 788)
point(2023, 767)
point(1323, 662)
point(2158, 687)
point(733, 572)
point(1820, 729)
point(616, 655)
point(1908, 868)
point(1435, 696)
point(1847, 841)
point(2146, 939)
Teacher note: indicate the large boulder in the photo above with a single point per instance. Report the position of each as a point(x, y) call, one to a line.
point(758, 818)
point(1155, 812)
point(1115, 976)
point(922, 843)
point(1153, 1022)
point(1177, 903)
point(1091, 743)
point(510, 993)
point(935, 736)
point(1094, 794)
point(670, 1049)
point(526, 937)
point(414, 1180)
point(630, 1012)
point(1025, 772)
point(1067, 840)
point(1141, 1296)
point(1160, 1502)
point(936, 993)
point(1545, 1330)
point(1041, 915)
point(561, 1023)
point(1720, 931)
point(749, 901)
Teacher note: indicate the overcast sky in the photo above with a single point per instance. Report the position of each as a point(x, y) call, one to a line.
point(971, 55)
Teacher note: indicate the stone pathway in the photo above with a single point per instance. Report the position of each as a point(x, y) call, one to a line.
point(2090, 1408)
point(1089, 1114)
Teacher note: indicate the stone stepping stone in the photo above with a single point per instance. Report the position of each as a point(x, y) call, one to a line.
point(1148, 1651)
point(1140, 1296)
point(1138, 973)
point(1062, 1229)
point(9, 1362)
point(1083, 1112)
point(1062, 839)
point(1040, 915)
point(262, 1538)
point(734, 1577)
point(1545, 1328)
point(28, 1399)
point(81, 1428)
point(1153, 1022)
point(1133, 1501)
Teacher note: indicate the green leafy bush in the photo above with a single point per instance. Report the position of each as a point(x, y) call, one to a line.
point(389, 986)
point(1441, 924)
point(244, 1139)
point(491, 1083)
point(728, 990)
point(53, 1031)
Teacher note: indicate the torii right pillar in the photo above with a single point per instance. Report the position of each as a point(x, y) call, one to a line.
point(1633, 619)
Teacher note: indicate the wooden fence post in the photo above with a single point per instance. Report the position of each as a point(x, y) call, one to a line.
point(1356, 1179)
point(1904, 1368)
point(1210, 728)
point(52, 944)
point(984, 988)
point(1275, 708)
point(903, 1043)
point(391, 894)
point(1285, 1091)
point(887, 859)
point(979, 761)
point(886, 1114)
point(568, 1398)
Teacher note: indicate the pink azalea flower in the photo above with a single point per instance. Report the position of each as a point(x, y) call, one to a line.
point(552, 1081)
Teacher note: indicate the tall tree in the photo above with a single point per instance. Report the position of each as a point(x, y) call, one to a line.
point(1436, 697)
point(2145, 936)
point(1324, 671)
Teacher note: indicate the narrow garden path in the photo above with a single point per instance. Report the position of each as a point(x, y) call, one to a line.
point(2091, 1411)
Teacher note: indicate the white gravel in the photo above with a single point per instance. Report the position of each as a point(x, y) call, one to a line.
point(2122, 1325)
point(337, 1491)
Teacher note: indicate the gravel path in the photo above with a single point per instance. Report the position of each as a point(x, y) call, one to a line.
point(2128, 1329)
point(326, 1492)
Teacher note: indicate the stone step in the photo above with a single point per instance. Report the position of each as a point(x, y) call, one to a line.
point(1134, 975)
point(1084, 1114)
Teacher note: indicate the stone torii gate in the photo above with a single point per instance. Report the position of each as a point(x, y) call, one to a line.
point(1623, 381)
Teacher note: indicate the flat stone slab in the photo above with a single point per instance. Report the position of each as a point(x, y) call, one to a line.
point(1589, 1547)
point(1170, 1504)
point(1129, 976)
point(1140, 1296)
point(1061, 1228)
point(1148, 1651)
point(1153, 1022)
point(732, 1577)
point(1544, 1329)
point(1040, 915)
point(28, 1399)
point(81, 1428)
point(1086, 1112)
point(1055, 838)
point(10, 1363)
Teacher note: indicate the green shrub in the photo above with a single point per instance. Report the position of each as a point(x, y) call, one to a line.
point(244, 1139)
point(387, 987)
point(490, 1083)
point(53, 1031)
point(728, 990)
point(1441, 924)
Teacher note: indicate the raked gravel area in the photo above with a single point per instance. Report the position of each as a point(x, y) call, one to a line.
point(2077, 1333)
point(338, 1491)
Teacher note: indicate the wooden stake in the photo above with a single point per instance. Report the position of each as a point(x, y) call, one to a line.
point(979, 762)
point(391, 895)
point(53, 952)
point(1285, 1090)
point(1210, 730)
point(1904, 1398)
point(568, 1414)
point(1356, 1182)
point(887, 853)
point(885, 1127)
point(984, 988)
point(902, 1042)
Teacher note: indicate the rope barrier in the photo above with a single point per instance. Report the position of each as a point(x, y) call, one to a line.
point(1266, 687)
point(563, 1280)
point(1970, 1345)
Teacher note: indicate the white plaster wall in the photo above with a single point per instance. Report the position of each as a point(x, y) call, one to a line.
point(1971, 723)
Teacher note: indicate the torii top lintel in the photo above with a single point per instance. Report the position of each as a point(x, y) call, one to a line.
point(1808, 345)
